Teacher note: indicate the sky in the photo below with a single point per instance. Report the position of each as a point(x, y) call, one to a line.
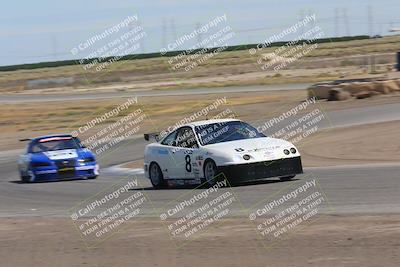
point(47, 30)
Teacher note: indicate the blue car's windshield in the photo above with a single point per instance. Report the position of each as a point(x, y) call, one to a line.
point(51, 144)
point(226, 131)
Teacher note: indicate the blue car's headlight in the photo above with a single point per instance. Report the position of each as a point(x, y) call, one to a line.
point(40, 164)
point(86, 160)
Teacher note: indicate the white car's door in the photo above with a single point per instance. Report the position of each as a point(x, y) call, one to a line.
point(184, 153)
point(165, 156)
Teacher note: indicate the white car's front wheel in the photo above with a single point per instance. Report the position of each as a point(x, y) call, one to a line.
point(156, 176)
point(210, 172)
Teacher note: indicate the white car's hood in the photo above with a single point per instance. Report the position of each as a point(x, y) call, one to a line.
point(260, 149)
point(250, 145)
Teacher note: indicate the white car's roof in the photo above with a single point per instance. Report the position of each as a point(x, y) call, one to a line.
point(205, 122)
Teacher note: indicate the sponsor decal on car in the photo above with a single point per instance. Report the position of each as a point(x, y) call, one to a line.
point(61, 154)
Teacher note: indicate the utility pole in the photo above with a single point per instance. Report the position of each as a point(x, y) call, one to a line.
point(370, 21)
point(54, 46)
point(302, 15)
point(312, 12)
point(173, 29)
point(164, 34)
point(336, 22)
point(199, 37)
point(346, 21)
point(141, 41)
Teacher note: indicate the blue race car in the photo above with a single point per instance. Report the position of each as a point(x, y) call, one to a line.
point(56, 157)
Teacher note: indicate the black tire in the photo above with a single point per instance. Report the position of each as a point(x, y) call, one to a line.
point(156, 176)
point(209, 168)
point(25, 178)
point(287, 178)
point(92, 177)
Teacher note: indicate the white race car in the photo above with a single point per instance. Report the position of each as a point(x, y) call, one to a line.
point(212, 150)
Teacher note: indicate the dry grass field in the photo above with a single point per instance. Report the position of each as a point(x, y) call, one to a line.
point(328, 61)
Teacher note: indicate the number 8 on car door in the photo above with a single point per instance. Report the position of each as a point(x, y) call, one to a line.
point(185, 152)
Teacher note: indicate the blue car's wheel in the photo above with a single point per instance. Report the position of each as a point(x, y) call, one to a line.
point(27, 177)
point(24, 178)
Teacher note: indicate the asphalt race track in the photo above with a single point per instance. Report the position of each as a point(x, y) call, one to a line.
point(350, 190)
point(21, 98)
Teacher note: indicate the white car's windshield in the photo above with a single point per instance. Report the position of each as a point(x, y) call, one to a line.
point(225, 132)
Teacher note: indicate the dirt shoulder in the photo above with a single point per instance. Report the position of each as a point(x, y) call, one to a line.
point(330, 241)
point(363, 144)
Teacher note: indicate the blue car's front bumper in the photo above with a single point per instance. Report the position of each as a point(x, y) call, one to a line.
point(68, 172)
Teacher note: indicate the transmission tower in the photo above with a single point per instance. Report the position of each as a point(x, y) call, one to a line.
point(346, 21)
point(370, 21)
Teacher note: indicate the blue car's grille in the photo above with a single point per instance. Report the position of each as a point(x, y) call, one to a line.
point(64, 163)
point(66, 174)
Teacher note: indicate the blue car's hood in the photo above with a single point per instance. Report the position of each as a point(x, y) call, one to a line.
point(85, 153)
point(39, 157)
point(62, 154)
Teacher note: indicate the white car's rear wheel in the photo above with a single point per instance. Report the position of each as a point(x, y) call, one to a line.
point(156, 176)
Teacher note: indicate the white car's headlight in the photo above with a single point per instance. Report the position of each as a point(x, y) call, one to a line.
point(237, 158)
point(240, 158)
